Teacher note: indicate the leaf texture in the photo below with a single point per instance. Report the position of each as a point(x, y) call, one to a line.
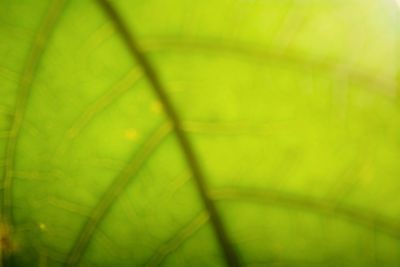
point(199, 133)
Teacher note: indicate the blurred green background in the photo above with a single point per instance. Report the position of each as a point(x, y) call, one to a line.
point(292, 107)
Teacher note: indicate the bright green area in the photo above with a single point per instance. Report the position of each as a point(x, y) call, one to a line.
point(292, 107)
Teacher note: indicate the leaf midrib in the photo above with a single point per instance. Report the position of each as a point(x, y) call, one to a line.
point(158, 88)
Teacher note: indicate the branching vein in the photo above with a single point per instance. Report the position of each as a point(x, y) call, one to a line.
point(112, 193)
point(354, 214)
point(175, 242)
point(25, 84)
point(99, 105)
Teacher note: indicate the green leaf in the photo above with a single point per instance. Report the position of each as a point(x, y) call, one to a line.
point(200, 133)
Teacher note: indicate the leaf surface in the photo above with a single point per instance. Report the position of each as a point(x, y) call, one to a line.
point(199, 133)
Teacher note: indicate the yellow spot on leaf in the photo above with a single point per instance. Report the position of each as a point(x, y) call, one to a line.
point(156, 107)
point(131, 134)
point(42, 226)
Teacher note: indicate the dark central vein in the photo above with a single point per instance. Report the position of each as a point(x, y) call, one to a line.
point(153, 78)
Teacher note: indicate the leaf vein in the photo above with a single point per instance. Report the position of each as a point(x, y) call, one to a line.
point(351, 213)
point(38, 48)
point(96, 107)
point(175, 242)
point(98, 213)
point(338, 70)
